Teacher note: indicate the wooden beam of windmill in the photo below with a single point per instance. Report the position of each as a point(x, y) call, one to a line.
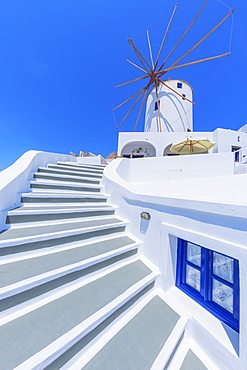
point(140, 56)
point(188, 64)
point(164, 37)
point(136, 79)
point(135, 65)
point(129, 98)
point(183, 97)
point(140, 110)
point(133, 106)
point(184, 34)
point(204, 38)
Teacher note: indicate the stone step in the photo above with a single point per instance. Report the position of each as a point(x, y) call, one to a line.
point(36, 273)
point(41, 208)
point(22, 266)
point(38, 333)
point(143, 337)
point(27, 214)
point(69, 172)
point(55, 185)
point(75, 169)
point(41, 235)
point(81, 165)
point(52, 197)
point(64, 178)
point(55, 242)
point(68, 269)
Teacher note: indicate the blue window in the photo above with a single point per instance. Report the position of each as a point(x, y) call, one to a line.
point(211, 279)
point(183, 96)
point(236, 150)
point(179, 85)
point(157, 105)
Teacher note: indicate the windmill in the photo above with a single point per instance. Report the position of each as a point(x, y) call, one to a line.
point(154, 71)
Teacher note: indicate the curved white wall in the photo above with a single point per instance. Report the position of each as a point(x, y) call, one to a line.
point(14, 179)
point(207, 211)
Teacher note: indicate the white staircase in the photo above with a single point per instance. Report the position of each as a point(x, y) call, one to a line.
point(74, 291)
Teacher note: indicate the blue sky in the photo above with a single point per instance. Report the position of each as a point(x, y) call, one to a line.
point(60, 61)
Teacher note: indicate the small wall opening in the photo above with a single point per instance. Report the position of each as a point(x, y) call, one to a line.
point(167, 151)
point(138, 149)
point(236, 151)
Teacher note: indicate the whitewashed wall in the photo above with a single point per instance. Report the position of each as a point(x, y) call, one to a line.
point(15, 179)
point(159, 140)
point(211, 212)
point(224, 140)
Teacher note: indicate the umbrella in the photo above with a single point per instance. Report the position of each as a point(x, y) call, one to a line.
point(192, 146)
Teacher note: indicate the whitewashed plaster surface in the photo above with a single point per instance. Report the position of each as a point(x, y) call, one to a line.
point(157, 169)
point(202, 207)
point(225, 139)
point(14, 179)
point(158, 141)
point(205, 210)
point(176, 114)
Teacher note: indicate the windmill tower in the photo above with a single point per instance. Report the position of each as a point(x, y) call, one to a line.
point(176, 114)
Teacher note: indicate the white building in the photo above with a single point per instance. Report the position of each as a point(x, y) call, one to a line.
point(140, 264)
point(157, 144)
point(176, 117)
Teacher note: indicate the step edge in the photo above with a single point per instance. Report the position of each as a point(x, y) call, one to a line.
point(51, 352)
point(84, 356)
point(61, 210)
point(81, 164)
point(93, 171)
point(54, 182)
point(54, 205)
point(40, 279)
point(58, 221)
point(76, 164)
point(57, 194)
point(69, 180)
point(53, 174)
point(170, 345)
point(62, 191)
point(65, 221)
point(25, 307)
point(19, 241)
point(11, 258)
point(68, 172)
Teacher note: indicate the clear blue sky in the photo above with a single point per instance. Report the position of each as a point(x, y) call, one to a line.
point(60, 61)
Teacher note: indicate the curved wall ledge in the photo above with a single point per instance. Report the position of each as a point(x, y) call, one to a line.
point(14, 179)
